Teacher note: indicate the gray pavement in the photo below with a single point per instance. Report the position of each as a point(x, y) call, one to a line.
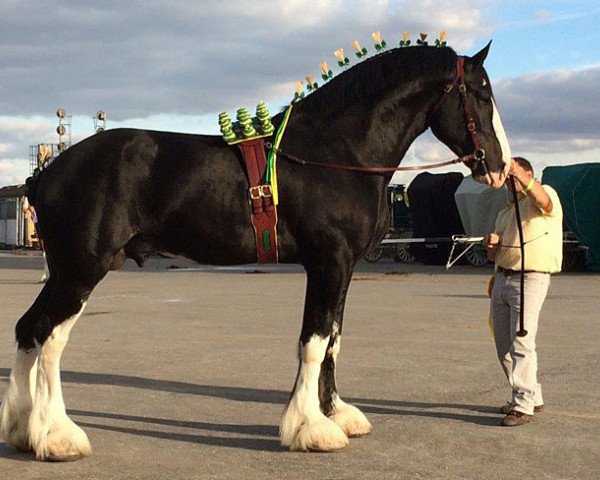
point(183, 374)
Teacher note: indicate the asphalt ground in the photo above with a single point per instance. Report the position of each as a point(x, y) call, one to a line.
point(183, 374)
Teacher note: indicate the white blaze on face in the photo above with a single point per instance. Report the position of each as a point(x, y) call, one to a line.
point(506, 154)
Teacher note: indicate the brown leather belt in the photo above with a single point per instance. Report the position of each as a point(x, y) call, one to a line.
point(507, 271)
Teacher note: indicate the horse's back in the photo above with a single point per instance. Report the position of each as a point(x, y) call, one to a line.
point(167, 187)
point(140, 191)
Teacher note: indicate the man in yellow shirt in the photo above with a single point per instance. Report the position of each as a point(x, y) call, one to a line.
point(541, 216)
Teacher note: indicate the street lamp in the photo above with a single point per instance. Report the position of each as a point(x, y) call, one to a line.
point(63, 129)
point(100, 121)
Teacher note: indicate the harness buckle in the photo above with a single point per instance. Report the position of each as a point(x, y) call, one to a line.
point(471, 127)
point(260, 191)
point(462, 88)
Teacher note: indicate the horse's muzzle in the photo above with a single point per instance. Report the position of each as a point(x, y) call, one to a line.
point(492, 179)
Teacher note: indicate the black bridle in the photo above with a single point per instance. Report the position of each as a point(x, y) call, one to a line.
point(478, 154)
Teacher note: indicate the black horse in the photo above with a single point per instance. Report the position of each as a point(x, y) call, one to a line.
point(129, 193)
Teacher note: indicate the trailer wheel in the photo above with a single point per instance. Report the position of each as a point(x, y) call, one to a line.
point(569, 260)
point(374, 255)
point(477, 256)
point(403, 253)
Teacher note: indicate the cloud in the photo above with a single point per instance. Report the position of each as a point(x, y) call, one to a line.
point(173, 65)
point(551, 111)
point(13, 171)
point(183, 60)
point(135, 59)
point(16, 134)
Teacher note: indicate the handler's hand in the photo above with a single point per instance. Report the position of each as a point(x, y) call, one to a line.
point(491, 240)
point(518, 172)
point(491, 243)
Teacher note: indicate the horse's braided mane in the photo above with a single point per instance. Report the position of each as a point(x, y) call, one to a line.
point(380, 72)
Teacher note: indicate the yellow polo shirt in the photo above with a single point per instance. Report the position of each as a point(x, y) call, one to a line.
point(542, 233)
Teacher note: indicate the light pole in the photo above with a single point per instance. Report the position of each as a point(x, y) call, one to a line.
point(100, 121)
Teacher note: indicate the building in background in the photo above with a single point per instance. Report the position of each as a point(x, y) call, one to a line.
point(16, 226)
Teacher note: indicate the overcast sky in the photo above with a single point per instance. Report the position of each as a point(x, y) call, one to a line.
point(174, 65)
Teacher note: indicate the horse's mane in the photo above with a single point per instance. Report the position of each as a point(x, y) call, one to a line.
point(380, 73)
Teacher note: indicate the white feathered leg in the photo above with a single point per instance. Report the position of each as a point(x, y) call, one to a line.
point(18, 400)
point(350, 419)
point(52, 434)
point(304, 427)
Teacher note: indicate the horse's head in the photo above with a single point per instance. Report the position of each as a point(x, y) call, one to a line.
point(468, 122)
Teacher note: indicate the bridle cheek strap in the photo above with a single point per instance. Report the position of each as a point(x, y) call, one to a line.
point(478, 152)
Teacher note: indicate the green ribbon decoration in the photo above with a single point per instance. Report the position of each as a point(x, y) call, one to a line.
point(271, 175)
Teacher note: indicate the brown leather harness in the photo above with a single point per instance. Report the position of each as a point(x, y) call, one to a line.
point(263, 209)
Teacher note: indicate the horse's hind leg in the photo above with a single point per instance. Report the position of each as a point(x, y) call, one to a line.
point(304, 426)
point(51, 434)
point(18, 399)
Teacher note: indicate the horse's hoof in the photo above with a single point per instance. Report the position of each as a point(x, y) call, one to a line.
point(322, 435)
point(68, 451)
point(64, 458)
point(66, 442)
point(351, 420)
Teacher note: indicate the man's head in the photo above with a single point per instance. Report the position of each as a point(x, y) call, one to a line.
point(524, 164)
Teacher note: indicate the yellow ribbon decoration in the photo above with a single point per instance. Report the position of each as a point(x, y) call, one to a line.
point(276, 143)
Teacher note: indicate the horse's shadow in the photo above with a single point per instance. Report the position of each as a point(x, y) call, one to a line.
point(247, 434)
point(246, 439)
point(10, 453)
point(246, 443)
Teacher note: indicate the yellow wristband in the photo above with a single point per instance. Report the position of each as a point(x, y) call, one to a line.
point(529, 185)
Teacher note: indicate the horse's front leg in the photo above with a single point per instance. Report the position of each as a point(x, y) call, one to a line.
point(348, 417)
point(304, 425)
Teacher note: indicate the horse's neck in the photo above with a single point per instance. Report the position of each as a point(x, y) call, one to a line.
point(376, 134)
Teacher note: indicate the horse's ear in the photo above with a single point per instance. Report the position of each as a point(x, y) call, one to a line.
point(478, 59)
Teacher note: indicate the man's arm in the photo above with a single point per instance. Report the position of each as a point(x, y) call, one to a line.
point(539, 196)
